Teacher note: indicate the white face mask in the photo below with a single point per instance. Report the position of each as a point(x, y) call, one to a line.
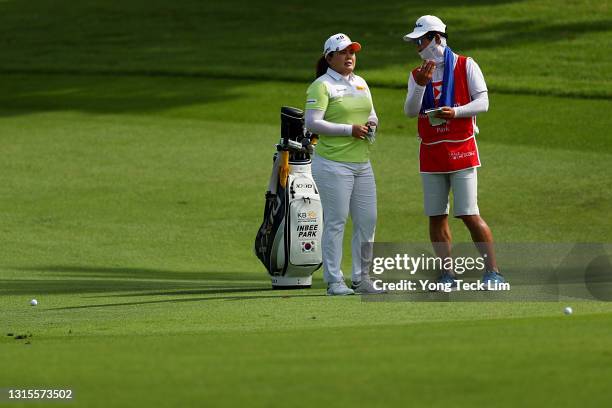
point(434, 51)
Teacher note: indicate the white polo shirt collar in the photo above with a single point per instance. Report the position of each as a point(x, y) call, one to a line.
point(338, 77)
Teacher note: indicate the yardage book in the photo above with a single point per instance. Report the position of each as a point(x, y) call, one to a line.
point(431, 114)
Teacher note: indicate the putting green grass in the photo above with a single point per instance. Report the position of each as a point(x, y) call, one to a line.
point(129, 207)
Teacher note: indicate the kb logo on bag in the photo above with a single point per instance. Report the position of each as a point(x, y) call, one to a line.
point(310, 215)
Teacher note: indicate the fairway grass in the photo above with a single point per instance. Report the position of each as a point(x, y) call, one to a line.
point(129, 208)
point(137, 139)
point(299, 349)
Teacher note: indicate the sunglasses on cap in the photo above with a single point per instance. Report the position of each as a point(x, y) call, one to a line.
point(419, 41)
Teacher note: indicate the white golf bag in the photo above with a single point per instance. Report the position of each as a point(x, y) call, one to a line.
point(288, 242)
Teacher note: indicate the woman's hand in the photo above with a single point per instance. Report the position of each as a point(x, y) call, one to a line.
point(446, 113)
point(359, 131)
point(423, 74)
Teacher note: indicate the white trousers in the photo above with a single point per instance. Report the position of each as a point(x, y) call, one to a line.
point(345, 188)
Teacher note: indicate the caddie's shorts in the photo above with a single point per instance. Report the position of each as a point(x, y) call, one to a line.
point(436, 189)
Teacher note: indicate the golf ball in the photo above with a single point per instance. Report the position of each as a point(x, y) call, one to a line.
point(568, 310)
point(33, 302)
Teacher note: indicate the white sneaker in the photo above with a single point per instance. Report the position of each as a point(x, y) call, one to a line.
point(339, 289)
point(365, 286)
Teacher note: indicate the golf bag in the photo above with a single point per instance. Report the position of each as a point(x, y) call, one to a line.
point(288, 242)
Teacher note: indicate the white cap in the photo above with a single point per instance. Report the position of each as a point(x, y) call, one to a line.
point(338, 42)
point(424, 25)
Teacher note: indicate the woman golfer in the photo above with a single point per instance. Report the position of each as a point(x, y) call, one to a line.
point(339, 109)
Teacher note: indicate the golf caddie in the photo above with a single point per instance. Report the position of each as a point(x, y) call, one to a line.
point(446, 92)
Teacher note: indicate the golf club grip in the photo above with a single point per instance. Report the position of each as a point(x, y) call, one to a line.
point(284, 169)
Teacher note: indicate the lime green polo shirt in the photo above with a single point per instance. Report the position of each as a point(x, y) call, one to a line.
point(344, 101)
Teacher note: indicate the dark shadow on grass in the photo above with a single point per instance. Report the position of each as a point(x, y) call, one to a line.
point(63, 279)
point(227, 298)
point(204, 291)
point(234, 36)
point(40, 287)
point(143, 273)
point(151, 55)
point(109, 92)
point(493, 34)
point(129, 281)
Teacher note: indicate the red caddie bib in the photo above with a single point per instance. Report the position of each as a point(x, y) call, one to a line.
point(452, 146)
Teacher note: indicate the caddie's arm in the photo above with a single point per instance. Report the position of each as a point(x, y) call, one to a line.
point(416, 88)
point(478, 93)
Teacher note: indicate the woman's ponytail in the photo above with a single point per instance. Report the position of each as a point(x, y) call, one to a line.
point(322, 66)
